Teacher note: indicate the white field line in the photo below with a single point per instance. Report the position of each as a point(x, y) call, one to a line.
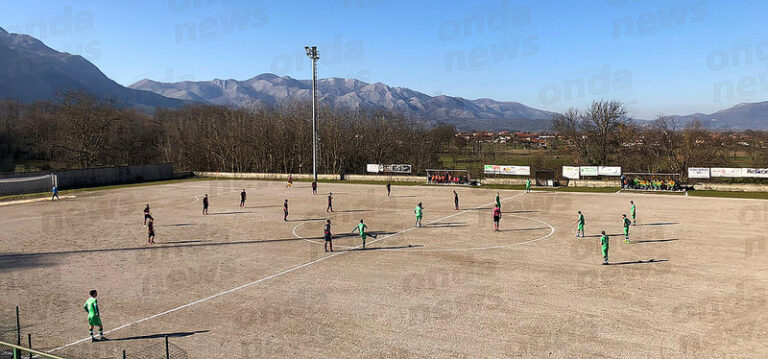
point(246, 285)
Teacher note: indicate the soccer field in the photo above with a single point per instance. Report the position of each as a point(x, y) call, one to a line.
point(243, 283)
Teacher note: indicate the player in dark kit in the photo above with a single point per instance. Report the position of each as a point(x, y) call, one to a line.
point(285, 210)
point(456, 200)
point(55, 191)
point(151, 231)
point(327, 235)
point(205, 204)
point(147, 214)
point(330, 203)
point(314, 187)
point(389, 189)
point(242, 198)
point(496, 217)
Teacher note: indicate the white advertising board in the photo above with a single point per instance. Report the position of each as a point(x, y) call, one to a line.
point(507, 170)
point(372, 168)
point(698, 172)
point(754, 172)
point(588, 171)
point(609, 171)
point(725, 172)
point(571, 172)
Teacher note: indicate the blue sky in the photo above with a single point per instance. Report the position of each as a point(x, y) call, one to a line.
point(658, 56)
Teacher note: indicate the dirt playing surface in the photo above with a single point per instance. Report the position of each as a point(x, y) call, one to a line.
point(242, 283)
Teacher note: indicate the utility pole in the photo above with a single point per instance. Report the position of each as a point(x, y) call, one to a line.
point(312, 54)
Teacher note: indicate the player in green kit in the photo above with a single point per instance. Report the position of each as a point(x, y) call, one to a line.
point(498, 200)
point(528, 186)
point(94, 319)
point(580, 228)
point(605, 244)
point(363, 229)
point(418, 210)
point(633, 212)
point(627, 222)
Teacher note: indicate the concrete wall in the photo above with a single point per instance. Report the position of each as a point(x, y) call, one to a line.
point(595, 183)
point(386, 178)
point(608, 182)
point(732, 187)
point(506, 181)
point(92, 177)
point(266, 176)
point(307, 176)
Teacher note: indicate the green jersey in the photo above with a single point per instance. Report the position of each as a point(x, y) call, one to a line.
point(627, 222)
point(418, 211)
point(361, 228)
point(632, 210)
point(581, 219)
point(92, 307)
point(604, 242)
point(528, 184)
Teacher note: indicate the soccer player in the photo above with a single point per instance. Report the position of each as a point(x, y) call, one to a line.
point(147, 214)
point(580, 228)
point(55, 191)
point(528, 186)
point(389, 189)
point(151, 231)
point(363, 230)
point(604, 241)
point(314, 187)
point(285, 211)
point(633, 212)
point(290, 181)
point(496, 217)
point(498, 200)
point(94, 319)
point(626, 222)
point(419, 213)
point(242, 198)
point(205, 204)
point(328, 236)
point(456, 200)
point(330, 203)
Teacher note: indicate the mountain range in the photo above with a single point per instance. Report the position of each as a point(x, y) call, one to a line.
point(270, 90)
point(31, 71)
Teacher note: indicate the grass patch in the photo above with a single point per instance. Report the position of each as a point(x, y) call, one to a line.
point(728, 194)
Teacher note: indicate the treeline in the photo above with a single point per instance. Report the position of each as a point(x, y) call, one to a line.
point(79, 131)
point(603, 134)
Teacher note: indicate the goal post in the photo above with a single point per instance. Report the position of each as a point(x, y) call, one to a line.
point(16, 351)
point(12, 185)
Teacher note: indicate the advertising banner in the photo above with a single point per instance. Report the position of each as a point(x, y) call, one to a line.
point(609, 171)
point(725, 172)
point(754, 172)
point(507, 170)
point(698, 172)
point(571, 172)
point(588, 171)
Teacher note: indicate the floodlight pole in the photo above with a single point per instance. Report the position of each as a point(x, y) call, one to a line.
point(312, 54)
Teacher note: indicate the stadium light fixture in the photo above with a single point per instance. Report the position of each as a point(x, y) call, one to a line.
point(312, 54)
